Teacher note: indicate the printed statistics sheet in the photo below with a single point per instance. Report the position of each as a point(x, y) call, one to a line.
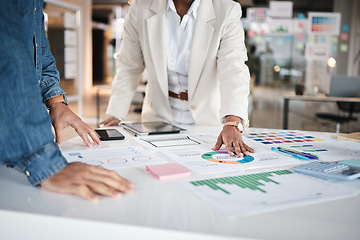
point(113, 158)
point(265, 191)
point(204, 160)
point(326, 149)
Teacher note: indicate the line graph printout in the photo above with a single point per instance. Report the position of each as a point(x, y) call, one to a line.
point(113, 158)
point(204, 160)
point(265, 191)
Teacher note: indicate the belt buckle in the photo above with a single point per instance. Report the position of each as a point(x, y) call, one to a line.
point(183, 95)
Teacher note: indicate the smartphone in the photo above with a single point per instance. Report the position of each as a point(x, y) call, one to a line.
point(109, 134)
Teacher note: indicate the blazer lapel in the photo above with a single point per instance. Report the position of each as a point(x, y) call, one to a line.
point(201, 42)
point(156, 36)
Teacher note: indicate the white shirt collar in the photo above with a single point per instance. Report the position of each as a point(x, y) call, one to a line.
point(193, 8)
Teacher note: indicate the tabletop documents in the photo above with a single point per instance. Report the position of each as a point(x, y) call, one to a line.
point(270, 179)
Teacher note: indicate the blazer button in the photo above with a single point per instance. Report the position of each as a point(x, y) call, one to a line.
point(192, 107)
point(27, 173)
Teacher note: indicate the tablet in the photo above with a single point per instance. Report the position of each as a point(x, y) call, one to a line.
point(150, 128)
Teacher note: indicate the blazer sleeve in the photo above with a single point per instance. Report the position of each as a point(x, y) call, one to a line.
point(130, 64)
point(233, 74)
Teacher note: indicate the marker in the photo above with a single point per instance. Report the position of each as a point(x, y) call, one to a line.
point(305, 154)
point(294, 155)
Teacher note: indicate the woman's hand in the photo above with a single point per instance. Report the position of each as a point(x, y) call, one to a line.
point(111, 121)
point(232, 139)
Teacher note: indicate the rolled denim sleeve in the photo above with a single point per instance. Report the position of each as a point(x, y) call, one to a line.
point(50, 77)
point(41, 164)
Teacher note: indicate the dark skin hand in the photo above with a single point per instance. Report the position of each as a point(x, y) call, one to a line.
point(111, 121)
point(232, 139)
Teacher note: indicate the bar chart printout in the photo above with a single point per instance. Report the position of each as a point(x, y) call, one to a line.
point(246, 181)
point(256, 193)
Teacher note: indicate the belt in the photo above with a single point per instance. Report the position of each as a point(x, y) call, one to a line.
point(183, 95)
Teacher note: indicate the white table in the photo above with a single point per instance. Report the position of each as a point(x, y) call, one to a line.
point(159, 209)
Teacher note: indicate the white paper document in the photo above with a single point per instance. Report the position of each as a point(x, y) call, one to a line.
point(176, 141)
point(326, 149)
point(113, 158)
point(204, 160)
point(172, 141)
point(265, 191)
point(330, 151)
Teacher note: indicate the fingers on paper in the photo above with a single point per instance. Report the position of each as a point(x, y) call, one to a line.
point(85, 131)
point(234, 144)
point(88, 182)
point(218, 144)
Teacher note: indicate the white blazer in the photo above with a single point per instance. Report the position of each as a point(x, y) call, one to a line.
point(218, 79)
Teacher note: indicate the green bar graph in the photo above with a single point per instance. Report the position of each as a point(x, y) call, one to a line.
point(250, 181)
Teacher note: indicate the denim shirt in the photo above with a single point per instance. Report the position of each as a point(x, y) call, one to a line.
point(28, 77)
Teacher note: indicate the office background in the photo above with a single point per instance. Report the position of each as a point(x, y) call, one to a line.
point(85, 35)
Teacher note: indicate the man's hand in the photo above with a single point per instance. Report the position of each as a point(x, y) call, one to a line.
point(111, 121)
point(233, 141)
point(88, 182)
point(62, 117)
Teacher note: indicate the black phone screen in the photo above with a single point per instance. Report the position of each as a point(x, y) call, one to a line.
point(109, 134)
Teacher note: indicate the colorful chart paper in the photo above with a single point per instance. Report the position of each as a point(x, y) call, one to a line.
point(257, 15)
point(223, 157)
point(203, 161)
point(282, 137)
point(327, 24)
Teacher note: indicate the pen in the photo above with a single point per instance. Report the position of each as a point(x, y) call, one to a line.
point(292, 154)
point(305, 154)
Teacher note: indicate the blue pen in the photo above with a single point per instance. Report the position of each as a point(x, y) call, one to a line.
point(305, 154)
point(298, 156)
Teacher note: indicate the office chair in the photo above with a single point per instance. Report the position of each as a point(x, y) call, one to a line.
point(349, 107)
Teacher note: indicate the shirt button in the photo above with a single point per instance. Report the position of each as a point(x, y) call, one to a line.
point(27, 173)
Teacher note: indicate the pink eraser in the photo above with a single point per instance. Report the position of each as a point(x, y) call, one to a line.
point(168, 171)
